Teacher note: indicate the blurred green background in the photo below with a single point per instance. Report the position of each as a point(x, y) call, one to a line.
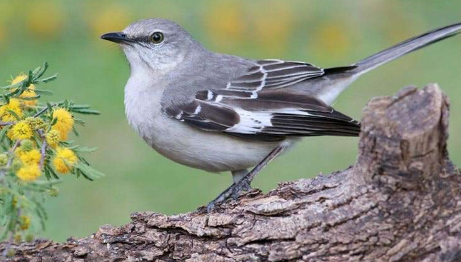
point(325, 33)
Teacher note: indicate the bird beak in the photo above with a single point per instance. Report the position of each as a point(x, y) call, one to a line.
point(116, 37)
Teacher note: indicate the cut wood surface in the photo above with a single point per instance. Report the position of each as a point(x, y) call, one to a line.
point(401, 201)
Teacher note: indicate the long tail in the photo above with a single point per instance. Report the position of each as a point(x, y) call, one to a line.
point(405, 47)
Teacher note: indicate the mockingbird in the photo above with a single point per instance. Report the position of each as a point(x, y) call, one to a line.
point(220, 112)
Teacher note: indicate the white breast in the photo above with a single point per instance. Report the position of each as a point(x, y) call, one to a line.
point(181, 143)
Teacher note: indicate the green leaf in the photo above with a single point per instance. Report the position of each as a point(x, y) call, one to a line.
point(41, 71)
point(52, 172)
point(47, 182)
point(12, 86)
point(30, 98)
point(26, 82)
point(50, 107)
point(48, 79)
point(75, 131)
point(80, 106)
point(36, 70)
point(84, 149)
point(14, 114)
point(3, 132)
point(89, 172)
point(14, 92)
point(47, 173)
point(54, 121)
point(85, 111)
point(43, 92)
point(41, 212)
point(6, 98)
point(79, 121)
point(83, 160)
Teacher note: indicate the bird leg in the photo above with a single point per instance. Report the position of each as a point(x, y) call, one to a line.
point(237, 175)
point(245, 182)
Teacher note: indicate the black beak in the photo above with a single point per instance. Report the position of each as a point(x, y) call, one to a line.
point(116, 37)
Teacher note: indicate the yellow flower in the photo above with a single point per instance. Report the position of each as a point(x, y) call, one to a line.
point(53, 137)
point(30, 158)
point(24, 221)
point(35, 122)
point(28, 173)
point(65, 159)
point(15, 106)
point(64, 124)
point(20, 78)
point(29, 92)
point(19, 152)
point(20, 130)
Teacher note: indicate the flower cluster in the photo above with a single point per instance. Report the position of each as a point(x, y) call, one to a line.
point(29, 93)
point(64, 122)
point(11, 110)
point(65, 159)
point(28, 154)
point(36, 151)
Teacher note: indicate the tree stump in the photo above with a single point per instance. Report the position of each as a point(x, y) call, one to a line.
point(401, 201)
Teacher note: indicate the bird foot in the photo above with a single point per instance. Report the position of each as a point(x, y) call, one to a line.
point(234, 191)
point(243, 184)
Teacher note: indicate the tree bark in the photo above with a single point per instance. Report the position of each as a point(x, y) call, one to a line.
point(401, 201)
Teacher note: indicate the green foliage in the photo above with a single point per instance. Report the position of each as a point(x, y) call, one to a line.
point(36, 152)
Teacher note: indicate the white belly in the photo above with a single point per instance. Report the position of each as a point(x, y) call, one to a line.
point(204, 150)
point(187, 145)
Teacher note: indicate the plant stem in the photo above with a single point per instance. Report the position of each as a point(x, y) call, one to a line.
point(43, 110)
point(7, 123)
point(42, 149)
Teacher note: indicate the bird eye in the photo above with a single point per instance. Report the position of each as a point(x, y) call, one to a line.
point(156, 38)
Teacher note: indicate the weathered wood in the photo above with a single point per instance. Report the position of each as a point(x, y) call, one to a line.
point(401, 201)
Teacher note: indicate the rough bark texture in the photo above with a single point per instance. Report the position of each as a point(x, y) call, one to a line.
point(401, 201)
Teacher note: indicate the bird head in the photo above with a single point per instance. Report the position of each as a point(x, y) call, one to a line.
point(158, 44)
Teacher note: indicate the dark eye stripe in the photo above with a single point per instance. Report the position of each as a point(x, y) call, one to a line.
point(141, 39)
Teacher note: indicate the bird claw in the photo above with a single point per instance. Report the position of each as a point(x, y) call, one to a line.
point(234, 192)
point(239, 189)
point(243, 184)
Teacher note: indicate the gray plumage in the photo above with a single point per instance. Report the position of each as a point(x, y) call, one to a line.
point(220, 112)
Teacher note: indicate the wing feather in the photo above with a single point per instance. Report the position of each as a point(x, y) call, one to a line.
point(267, 117)
point(256, 106)
point(274, 74)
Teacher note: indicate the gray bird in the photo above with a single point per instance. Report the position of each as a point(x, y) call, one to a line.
point(220, 112)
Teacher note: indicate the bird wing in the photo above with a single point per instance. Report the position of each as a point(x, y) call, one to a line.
point(267, 115)
point(273, 73)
